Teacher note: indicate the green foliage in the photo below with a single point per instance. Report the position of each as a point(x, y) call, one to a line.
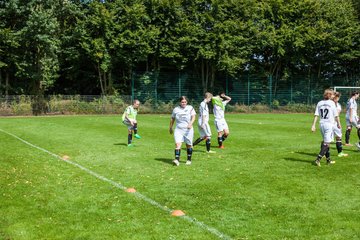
point(93, 47)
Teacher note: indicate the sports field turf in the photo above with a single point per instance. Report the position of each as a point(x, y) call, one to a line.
point(261, 186)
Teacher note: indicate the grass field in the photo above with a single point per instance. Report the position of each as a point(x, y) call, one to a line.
point(261, 186)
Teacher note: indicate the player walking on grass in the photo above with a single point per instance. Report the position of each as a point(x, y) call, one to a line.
point(352, 118)
point(326, 110)
point(337, 131)
point(129, 119)
point(219, 102)
point(203, 123)
point(184, 115)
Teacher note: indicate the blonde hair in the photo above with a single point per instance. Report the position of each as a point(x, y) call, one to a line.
point(208, 95)
point(337, 94)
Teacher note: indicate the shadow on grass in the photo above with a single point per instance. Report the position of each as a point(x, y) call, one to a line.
point(165, 160)
point(120, 144)
point(300, 160)
point(350, 150)
point(307, 154)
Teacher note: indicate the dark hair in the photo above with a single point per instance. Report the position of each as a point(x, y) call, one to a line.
point(354, 93)
point(183, 98)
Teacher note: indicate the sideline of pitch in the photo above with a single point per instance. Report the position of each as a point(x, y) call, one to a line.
point(120, 186)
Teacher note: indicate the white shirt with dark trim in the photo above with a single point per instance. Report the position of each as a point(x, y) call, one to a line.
point(351, 104)
point(183, 116)
point(327, 111)
point(203, 112)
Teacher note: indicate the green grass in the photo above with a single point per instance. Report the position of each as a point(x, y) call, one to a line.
point(261, 186)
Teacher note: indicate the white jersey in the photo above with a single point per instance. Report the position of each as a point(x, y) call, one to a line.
point(351, 104)
point(203, 113)
point(183, 116)
point(327, 111)
point(219, 112)
point(338, 107)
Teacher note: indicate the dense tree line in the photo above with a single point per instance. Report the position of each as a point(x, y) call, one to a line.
point(93, 47)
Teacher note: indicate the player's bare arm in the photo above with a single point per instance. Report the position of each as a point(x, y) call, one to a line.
point(313, 128)
point(171, 125)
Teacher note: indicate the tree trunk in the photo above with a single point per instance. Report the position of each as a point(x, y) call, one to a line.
point(212, 79)
point(203, 75)
point(100, 79)
point(207, 74)
point(0, 82)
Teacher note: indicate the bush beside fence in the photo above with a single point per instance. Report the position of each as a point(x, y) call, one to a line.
point(70, 105)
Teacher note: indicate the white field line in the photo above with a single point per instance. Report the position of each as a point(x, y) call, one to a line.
point(120, 186)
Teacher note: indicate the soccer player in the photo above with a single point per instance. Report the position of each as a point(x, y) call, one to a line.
point(326, 110)
point(352, 118)
point(219, 102)
point(184, 115)
point(203, 123)
point(337, 131)
point(129, 119)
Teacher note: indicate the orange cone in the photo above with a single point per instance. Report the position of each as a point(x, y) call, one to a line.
point(177, 213)
point(65, 157)
point(131, 190)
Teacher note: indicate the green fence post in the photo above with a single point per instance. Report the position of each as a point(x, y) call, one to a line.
point(156, 84)
point(291, 91)
point(132, 87)
point(270, 90)
point(179, 81)
point(226, 85)
point(248, 90)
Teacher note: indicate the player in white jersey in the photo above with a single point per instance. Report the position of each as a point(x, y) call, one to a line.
point(219, 102)
point(352, 118)
point(203, 123)
point(184, 115)
point(129, 119)
point(337, 131)
point(327, 112)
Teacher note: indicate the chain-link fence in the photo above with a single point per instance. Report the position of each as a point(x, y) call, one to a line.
point(244, 89)
point(159, 92)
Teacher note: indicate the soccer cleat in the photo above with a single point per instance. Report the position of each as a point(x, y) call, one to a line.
point(210, 151)
point(317, 163)
point(176, 162)
point(221, 147)
point(348, 144)
point(130, 145)
point(137, 136)
point(358, 145)
point(341, 154)
point(188, 162)
point(330, 162)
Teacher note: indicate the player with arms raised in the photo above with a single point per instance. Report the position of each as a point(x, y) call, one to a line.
point(327, 112)
point(219, 102)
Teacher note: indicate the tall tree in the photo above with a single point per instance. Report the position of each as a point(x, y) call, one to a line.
point(38, 62)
